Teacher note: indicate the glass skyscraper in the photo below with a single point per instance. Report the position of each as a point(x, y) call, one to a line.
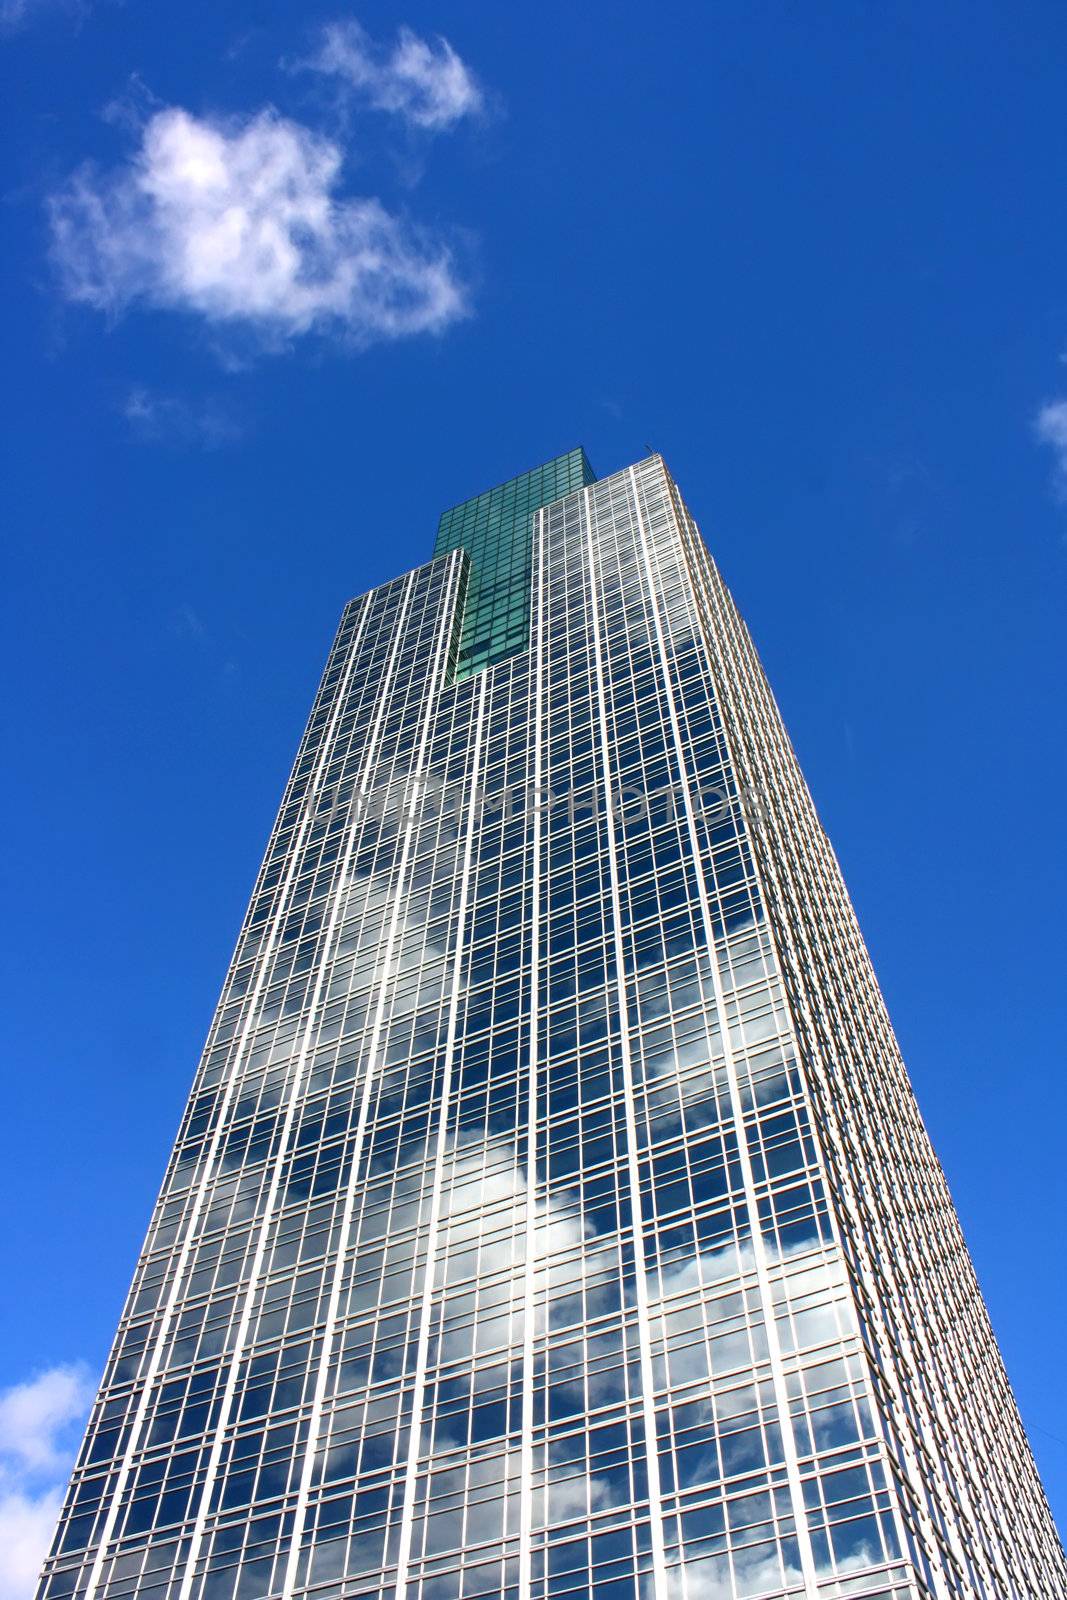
point(552, 1215)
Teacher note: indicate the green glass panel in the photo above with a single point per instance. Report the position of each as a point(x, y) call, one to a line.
point(496, 530)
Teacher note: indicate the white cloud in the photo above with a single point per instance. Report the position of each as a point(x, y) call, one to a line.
point(424, 82)
point(27, 1523)
point(240, 223)
point(756, 1571)
point(1050, 426)
point(37, 1423)
point(34, 1416)
point(170, 419)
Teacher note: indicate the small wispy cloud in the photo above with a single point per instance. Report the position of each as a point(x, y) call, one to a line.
point(38, 1423)
point(1050, 425)
point(172, 420)
point(240, 222)
point(420, 80)
point(15, 14)
point(187, 622)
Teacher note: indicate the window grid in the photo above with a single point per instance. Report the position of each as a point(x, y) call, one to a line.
point(513, 1242)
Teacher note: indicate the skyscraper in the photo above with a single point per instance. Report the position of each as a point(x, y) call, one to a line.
point(552, 1216)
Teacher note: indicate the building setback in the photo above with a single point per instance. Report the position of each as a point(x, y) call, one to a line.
point(552, 1215)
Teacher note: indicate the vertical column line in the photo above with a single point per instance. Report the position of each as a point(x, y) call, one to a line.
point(297, 1082)
point(903, 1454)
point(648, 1407)
point(133, 1443)
point(774, 1351)
point(407, 1515)
point(382, 981)
point(901, 1447)
point(529, 1297)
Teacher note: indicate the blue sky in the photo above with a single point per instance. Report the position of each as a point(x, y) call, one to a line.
point(815, 255)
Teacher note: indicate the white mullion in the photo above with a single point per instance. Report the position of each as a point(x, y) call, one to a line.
point(648, 1407)
point(159, 1340)
point(745, 682)
point(382, 981)
point(759, 1253)
point(236, 1353)
point(407, 1515)
point(529, 1300)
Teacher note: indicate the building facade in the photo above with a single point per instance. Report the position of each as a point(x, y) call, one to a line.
point(552, 1216)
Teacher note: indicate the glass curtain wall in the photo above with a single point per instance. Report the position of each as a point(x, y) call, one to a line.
point(551, 1216)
